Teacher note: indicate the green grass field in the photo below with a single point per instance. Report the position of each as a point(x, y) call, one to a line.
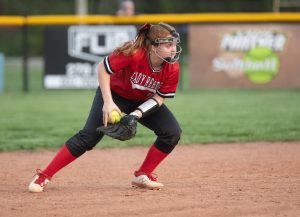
point(46, 119)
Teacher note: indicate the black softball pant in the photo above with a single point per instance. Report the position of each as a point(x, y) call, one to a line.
point(162, 122)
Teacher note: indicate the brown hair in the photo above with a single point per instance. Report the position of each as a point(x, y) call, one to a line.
point(145, 37)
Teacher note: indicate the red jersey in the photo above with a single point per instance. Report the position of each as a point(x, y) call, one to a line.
point(133, 77)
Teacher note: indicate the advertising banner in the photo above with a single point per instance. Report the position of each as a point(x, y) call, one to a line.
point(244, 55)
point(72, 53)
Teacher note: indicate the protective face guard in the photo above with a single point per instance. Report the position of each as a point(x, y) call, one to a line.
point(170, 59)
point(167, 40)
point(174, 39)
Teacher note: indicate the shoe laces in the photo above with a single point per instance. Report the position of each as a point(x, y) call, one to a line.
point(42, 177)
point(151, 176)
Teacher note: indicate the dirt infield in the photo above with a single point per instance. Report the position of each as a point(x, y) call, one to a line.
point(249, 180)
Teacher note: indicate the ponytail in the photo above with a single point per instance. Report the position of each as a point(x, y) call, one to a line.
point(141, 41)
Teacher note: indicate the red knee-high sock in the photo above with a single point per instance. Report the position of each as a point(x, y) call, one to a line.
point(61, 159)
point(152, 160)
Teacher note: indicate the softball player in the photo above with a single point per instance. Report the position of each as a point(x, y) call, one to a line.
point(135, 79)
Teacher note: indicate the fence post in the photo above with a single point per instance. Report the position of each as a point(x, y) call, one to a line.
point(1, 73)
point(25, 57)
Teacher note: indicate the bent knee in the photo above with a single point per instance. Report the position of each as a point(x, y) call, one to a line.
point(83, 141)
point(167, 141)
point(175, 136)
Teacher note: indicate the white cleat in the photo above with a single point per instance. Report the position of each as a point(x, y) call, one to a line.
point(39, 182)
point(146, 181)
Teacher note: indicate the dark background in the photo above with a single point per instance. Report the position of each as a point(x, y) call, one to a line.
point(10, 37)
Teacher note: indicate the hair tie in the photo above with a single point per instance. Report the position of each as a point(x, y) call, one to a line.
point(144, 28)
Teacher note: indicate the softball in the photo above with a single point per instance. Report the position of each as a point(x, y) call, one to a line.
point(114, 117)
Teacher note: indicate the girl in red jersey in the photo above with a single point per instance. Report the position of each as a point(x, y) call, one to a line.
point(135, 79)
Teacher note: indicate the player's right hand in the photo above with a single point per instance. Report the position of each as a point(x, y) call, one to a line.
point(107, 109)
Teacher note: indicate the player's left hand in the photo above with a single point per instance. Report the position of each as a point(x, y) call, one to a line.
point(123, 130)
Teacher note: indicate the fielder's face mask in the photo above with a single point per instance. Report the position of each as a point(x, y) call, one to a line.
point(174, 39)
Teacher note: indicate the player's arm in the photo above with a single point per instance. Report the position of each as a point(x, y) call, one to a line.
point(104, 84)
point(166, 91)
point(148, 106)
